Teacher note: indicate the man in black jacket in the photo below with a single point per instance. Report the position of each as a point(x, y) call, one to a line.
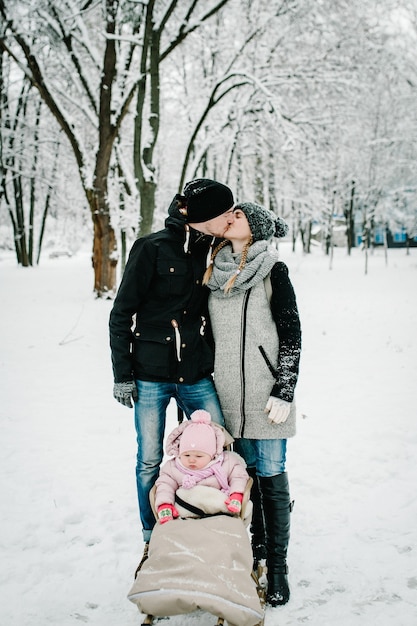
point(169, 353)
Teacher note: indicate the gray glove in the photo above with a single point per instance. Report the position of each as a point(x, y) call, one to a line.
point(125, 393)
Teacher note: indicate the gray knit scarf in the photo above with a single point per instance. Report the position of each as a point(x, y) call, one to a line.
point(261, 258)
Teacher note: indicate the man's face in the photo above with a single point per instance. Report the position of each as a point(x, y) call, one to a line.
point(217, 226)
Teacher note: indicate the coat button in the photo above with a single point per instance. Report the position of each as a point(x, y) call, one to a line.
point(168, 338)
point(181, 379)
point(172, 269)
point(137, 334)
point(197, 282)
point(183, 345)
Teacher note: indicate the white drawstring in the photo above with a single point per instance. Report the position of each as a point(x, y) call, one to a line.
point(174, 324)
point(203, 326)
point(209, 260)
point(187, 238)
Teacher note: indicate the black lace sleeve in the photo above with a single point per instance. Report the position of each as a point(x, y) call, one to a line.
point(285, 313)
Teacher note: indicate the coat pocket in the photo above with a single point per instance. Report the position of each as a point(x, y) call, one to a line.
point(174, 276)
point(153, 350)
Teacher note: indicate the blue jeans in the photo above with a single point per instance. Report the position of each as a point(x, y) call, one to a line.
point(267, 456)
point(150, 418)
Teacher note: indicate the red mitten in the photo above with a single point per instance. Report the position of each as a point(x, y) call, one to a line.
point(234, 502)
point(166, 513)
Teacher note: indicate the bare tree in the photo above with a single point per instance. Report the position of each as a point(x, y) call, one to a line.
point(275, 97)
point(95, 88)
point(149, 88)
point(27, 50)
point(12, 168)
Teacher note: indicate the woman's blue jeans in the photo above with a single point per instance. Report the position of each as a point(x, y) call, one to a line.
point(150, 419)
point(268, 456)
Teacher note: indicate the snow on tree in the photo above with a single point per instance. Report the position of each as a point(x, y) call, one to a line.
point(88, 62)
point(306, 107)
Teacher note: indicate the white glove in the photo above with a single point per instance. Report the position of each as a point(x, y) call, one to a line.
point(278, 410)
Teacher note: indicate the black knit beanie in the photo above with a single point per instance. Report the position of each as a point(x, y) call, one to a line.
point(206, 199)
point(263, 223)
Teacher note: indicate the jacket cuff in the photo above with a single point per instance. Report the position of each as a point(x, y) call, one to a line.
point(283, 394)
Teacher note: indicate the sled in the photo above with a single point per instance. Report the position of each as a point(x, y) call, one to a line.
point(201, 563)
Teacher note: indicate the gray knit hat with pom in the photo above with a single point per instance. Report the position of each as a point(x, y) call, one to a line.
point(263, 223)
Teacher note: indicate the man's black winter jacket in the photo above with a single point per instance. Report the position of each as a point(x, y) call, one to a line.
point(161, 291)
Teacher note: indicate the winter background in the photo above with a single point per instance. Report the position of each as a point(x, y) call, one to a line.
point(69, 533)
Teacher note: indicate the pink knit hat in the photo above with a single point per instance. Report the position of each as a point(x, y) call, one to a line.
point(199, 434)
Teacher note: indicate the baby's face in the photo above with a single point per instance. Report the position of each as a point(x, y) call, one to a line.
point(194, 459)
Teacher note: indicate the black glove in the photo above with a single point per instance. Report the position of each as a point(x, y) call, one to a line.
point(125, 393)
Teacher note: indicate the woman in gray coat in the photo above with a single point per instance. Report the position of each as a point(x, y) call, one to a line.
point(257, 335)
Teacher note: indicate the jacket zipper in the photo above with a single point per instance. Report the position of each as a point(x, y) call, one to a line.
point(242, 360)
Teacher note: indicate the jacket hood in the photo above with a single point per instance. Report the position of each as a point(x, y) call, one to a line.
point(175, 219)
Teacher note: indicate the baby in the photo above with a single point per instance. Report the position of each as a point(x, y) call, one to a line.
point(199, 459)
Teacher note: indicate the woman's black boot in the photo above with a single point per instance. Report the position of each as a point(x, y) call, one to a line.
point(257, 527)
point(277, 508)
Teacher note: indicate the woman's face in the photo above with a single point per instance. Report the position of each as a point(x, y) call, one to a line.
point(239, 229)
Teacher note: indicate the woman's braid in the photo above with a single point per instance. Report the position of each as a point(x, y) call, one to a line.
point(209, 270)
point(228, 286)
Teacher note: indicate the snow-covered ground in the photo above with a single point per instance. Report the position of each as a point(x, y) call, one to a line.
point(69, 532)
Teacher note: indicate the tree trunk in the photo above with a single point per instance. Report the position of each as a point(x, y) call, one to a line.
point(294, 225)
point(272, 184)
point(147, 205)
point(105, 255)
point(47, 204)
point(104, 259)
point(308, 243)
point(104, 247)
point(23, 257)
point(349, 215)
point(32, 183)
point(259, 179)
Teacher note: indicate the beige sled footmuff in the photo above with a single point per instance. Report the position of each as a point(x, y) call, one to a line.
point(199, 564)
point(202, 563)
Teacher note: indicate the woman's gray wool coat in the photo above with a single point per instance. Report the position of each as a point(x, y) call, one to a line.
point(242, 378)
